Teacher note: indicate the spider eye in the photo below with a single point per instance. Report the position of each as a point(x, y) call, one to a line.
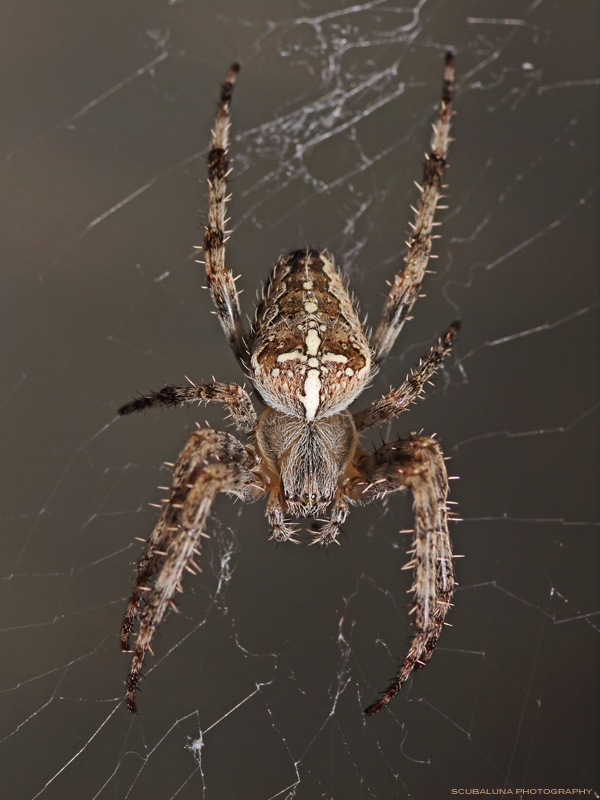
point(313, 496)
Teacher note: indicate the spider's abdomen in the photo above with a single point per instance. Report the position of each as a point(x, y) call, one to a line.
point(309, 354)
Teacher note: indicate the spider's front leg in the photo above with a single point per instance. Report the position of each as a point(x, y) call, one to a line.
point(416, 463)
point(211, 462)
point(328, 533)
point(281, 530)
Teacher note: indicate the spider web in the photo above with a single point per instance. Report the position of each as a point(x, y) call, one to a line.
point(256, 688)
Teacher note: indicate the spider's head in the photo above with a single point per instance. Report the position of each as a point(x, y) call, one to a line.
point(309, 457)
point(304, 498)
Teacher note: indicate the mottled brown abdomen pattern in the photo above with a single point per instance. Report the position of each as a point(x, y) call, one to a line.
point(309, 354)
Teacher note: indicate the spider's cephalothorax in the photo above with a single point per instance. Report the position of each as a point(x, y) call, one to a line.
point(308, 358)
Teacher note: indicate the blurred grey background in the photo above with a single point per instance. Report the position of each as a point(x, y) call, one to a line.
point(256, 689)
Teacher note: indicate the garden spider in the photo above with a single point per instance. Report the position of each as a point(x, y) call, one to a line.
point(308, 358)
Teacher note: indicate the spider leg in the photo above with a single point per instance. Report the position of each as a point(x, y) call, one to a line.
point(398, 400)
point(281, 529)
point(329, 532)
point(416, 463)
point(231, 395)
point(407, 283)
point(204, 444)
point(219, 279)
point(178, 531)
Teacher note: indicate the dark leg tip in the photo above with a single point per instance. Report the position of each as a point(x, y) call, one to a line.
point(375, 707)
point(451, 333)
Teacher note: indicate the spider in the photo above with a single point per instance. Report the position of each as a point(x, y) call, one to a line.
point(308, 358)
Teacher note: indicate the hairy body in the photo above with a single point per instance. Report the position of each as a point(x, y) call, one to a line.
point(308, 358)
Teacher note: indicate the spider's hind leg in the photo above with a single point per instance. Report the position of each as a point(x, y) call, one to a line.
point(407, 284)
point(219, 279)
